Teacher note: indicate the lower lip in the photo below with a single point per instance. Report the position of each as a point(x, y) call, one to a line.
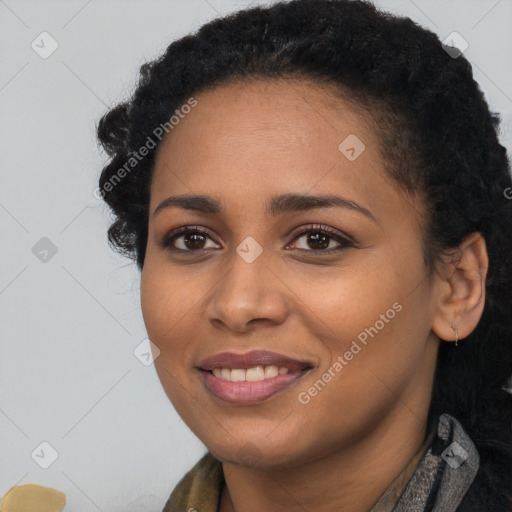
point(246, 393)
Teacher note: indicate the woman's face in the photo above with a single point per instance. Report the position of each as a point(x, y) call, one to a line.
point(352, 304)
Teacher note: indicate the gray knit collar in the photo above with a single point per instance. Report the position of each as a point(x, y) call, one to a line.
point(445, 472)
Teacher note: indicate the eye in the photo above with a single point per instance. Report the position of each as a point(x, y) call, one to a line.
point(318, 238)
point(191, 239)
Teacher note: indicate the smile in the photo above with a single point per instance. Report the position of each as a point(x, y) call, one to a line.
point(245, 391)
point(250, 375)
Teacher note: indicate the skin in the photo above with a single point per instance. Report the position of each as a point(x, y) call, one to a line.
point(244, 143)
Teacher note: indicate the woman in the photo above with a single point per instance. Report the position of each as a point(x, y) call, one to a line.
point(315, 195)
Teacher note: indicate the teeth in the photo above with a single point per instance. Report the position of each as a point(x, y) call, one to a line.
point(250, 375)
point(271, 371)
point(237, 375)
point(254, 374)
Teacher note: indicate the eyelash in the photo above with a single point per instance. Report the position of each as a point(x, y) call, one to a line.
point(345, 241)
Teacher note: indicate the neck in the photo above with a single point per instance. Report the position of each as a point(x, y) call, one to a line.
point(352, 478)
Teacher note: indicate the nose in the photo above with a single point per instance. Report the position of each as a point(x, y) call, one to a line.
point(247, 294)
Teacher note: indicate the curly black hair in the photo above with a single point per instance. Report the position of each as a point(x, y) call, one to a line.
point(438, 137)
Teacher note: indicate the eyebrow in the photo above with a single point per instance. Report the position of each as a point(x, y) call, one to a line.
point(278, 205)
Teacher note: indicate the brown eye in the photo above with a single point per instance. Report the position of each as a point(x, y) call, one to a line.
point(194, 240)
point(186, 239)
point(319, 239)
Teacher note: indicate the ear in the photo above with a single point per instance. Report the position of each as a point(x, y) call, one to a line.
point(460, 296)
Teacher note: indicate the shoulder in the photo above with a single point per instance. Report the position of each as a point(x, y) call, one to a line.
point(458, 474)
point(491, 489)
point(199, 489)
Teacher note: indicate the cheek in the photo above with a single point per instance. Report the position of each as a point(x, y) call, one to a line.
point(166, 301)
point(344, 302)
point(155, 303)
point(373, 319)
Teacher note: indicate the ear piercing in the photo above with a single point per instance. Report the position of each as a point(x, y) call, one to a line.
point(456, 331)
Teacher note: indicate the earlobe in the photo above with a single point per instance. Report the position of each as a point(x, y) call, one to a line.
point(460, 298)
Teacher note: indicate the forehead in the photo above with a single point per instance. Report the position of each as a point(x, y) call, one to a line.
point(248, 140)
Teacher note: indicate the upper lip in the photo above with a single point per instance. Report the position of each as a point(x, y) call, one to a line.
point(251, 360)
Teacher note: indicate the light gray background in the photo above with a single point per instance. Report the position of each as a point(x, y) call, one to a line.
point(69, 326)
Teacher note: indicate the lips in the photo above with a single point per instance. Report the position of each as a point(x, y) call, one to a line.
point(252, 359)
point(249, 393)
point(239, 391)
